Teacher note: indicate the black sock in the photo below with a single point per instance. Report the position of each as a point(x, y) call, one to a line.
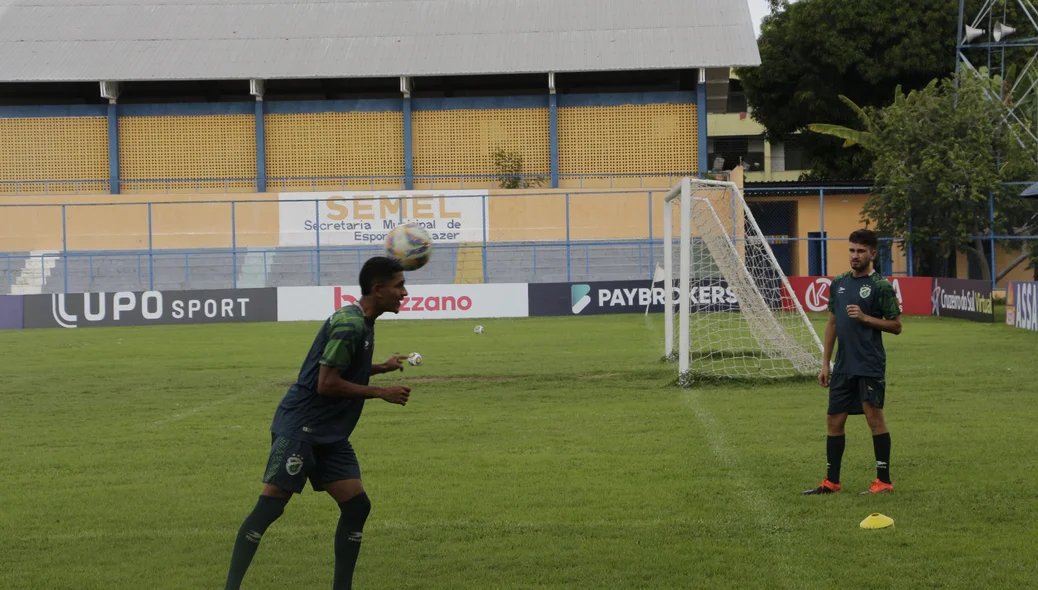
point(834, 455)
point(353, 513)
point(881, 443)
point(267, 510)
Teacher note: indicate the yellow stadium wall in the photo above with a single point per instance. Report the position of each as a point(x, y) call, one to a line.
point(454, 143)
point(53, 148)
point(334, 144)
point(193, 147)
point(110, 222)
point(632, 139)
point(113, 222)
point(187, 147)
point(617, 214)
point(842, 216)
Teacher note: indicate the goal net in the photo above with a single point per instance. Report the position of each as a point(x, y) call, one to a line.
point(736, 314)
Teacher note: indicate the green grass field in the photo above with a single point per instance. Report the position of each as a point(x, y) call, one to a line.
point(545, 453)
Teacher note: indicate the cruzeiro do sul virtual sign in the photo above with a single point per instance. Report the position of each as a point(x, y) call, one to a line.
point(962, 298)
point(364, 218)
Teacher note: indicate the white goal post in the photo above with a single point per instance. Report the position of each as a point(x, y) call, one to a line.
point(738, 316)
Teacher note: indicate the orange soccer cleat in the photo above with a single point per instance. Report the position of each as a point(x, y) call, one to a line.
point(879, 487)
point(826, 487)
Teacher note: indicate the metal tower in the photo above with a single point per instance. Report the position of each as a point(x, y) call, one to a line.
point(982, 47)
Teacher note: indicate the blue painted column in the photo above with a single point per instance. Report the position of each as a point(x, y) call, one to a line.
point(701, 120)
point(261, 148)
point(113, 148)
point(408, 146)
point(553, 135)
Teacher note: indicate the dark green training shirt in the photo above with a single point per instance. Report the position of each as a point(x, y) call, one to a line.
point(859, 348)
point(345, 341)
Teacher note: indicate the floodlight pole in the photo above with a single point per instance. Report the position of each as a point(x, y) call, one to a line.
point(958, 39)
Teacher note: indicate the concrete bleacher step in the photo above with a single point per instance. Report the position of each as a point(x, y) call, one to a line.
point(254, 269)
point(34, 272)
point(468, 268)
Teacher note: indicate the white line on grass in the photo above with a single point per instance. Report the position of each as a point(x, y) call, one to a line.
point(762, 509)
point(180, 415)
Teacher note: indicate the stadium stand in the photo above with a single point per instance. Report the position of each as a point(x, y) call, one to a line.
point(145, 97)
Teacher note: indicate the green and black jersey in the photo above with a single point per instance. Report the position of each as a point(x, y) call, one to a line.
point(346, 342)
point(859, 348)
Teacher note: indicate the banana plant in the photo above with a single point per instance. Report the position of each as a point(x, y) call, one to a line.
point(851, 136)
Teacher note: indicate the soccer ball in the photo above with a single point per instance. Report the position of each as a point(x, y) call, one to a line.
point(478, 330)
point(415, 359)
point(410, 245)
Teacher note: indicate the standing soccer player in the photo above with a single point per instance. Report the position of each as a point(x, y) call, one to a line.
point(312, 424)
point(862, 305)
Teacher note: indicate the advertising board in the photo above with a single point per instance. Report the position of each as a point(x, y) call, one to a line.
point(962, 298)
point(913, 293)
point(613, 297)
point(1025, 299)
point(128, 308)
point(424, 302)
point(10, 312)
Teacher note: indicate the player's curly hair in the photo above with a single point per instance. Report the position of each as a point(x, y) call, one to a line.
point(378, 269)
point(865, 237)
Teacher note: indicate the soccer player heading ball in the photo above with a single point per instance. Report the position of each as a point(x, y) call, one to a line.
point(312, 424)
point(862, 305)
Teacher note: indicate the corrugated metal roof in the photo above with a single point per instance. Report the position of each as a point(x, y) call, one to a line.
point(89, 40)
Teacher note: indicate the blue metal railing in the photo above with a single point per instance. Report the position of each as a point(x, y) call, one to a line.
point(584, 260)
point(558, 259)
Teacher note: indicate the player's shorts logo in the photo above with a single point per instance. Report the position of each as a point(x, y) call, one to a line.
point(294, 464)
point(865, 292)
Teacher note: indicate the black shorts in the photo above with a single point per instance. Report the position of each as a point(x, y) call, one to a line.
point(847, 393)
point(292, 462)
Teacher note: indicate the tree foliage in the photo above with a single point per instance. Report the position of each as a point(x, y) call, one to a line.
point(510, 170)
point(939, 155)
point(813, 51)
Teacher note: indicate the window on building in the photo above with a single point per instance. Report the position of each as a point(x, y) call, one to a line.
point(728, 152)
point(796, 154)
point(736, 98)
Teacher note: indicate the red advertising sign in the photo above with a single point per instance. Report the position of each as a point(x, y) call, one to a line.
point(913, 293)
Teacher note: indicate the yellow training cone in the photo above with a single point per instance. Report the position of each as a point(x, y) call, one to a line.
point(877, 521)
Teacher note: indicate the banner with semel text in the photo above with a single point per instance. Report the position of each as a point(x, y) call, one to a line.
point(364, 218)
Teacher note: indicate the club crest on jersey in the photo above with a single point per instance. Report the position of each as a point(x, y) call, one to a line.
point(294, 464)
point(865, 291)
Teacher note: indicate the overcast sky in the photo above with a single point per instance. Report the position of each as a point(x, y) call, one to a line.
point(758, 10)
